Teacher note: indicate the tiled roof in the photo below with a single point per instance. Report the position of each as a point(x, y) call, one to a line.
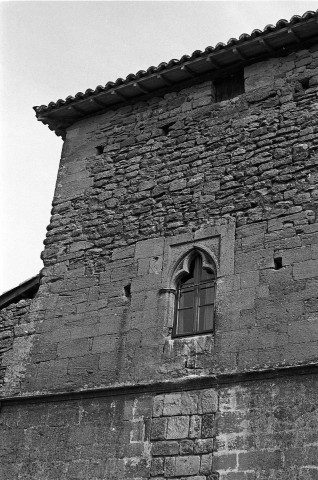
point(285, 34)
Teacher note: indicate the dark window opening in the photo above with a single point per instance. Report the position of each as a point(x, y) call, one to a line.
point(195, 301)
point(229, 87)
point(167, 128)
point(100, 149)
point(305, 83)
point(190, 363)
point(127, 290)
point(278, 263)
point(301, 85)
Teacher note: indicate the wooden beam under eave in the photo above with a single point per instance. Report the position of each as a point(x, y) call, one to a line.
point(265, 44)
point(294, 34)
point(185, 68)
point(119, 94)
point(160, 76)
point(98, 102)
point(77, 109)
point(141, 87)
point(210, 59)
point(239, 53)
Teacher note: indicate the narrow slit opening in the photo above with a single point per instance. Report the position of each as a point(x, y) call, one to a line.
point(305, 83)
point(278, 263)
point(127, 290)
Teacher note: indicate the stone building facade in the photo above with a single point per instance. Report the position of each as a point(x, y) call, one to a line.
point(206, 163)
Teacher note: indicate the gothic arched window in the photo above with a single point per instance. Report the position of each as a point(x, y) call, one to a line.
point(194, 313)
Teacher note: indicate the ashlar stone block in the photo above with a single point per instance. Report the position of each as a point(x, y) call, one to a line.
point(157, 466)
point(170, 466)
point(186, 447)
point(178, 427)
point(159, 428)
point(158, 404)
point(184, 403)
point(195, 426)
point(172, 404)
point(149, 248)
point(208, 401)
point(203, 445)
point(161, 449)
point(206, 464)
point(187, 465)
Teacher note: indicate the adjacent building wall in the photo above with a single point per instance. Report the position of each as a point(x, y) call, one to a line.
point(254, 430)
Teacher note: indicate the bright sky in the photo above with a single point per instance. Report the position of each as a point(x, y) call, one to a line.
point(50, 50)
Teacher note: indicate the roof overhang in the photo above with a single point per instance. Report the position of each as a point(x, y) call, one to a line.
point(26, 289)
point(281, 39)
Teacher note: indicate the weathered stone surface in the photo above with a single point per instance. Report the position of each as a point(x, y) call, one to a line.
point(187, 465)
point(159, 428)
point(208, 401)
point(179, 171)
point(246, 169)
point(195, 426)
point(178, 427)
point(165, 448)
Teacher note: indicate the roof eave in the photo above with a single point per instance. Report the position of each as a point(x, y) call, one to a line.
point(237, 53)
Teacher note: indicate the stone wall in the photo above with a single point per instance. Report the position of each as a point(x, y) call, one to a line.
point(16, 327)
point(138, 187)
point(251, 160)
point(256, 430)
point(183, 434)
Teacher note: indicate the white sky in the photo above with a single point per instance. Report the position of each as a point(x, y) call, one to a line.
point(50, 50)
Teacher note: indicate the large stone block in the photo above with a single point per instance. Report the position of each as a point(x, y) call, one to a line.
point(187, 465)
point(208, 401)
point(305, 269)
point(149, 248)
point(178, 427)
point(159, 428)
point(165, 448)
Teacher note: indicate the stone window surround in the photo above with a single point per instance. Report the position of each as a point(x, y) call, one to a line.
point(215, 242)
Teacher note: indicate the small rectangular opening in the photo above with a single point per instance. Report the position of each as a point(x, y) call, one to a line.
point(100, 149)
point(127, 290)
point(230, 86)
point(301, 85)
point(167, 128)
point(278, 263)
point(305, 83)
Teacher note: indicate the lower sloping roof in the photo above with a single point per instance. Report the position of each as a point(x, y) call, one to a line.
point(26, 289)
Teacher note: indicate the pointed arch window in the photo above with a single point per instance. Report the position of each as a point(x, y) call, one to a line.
point(194, 313)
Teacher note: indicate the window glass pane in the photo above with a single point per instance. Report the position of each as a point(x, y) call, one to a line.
point(205, 275)
point(185, 321)
point(206, 295)
point(205, 318)
point(186, 298)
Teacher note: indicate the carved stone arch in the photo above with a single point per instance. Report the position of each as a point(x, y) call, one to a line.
point(182, 267)
point(215, 244)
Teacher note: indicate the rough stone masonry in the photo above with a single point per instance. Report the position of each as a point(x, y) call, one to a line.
point(94, 386)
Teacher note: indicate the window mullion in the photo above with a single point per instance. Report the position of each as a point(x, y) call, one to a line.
point(196, 273)
point(196, 309)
